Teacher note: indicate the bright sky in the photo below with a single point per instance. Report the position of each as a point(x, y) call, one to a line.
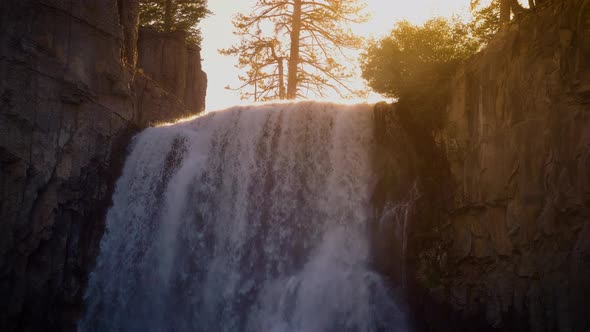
point(218, 33)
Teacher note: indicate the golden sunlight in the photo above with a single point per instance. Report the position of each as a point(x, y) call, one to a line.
point(384, 13)
point(219, 32)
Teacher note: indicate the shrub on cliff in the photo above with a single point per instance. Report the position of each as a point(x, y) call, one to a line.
point(414, 64)
point(174, 15)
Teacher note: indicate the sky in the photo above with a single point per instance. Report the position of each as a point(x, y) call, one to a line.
point(218, 33)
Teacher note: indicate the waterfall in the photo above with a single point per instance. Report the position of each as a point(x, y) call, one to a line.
point(248, 219)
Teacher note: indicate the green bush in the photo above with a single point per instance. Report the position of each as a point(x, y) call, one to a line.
point(414, 64)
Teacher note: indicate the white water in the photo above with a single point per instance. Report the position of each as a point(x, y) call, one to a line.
point(249, 219)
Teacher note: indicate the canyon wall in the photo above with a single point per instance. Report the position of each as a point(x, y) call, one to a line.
point(71, 99)
point(183, 76)
point(508, 246)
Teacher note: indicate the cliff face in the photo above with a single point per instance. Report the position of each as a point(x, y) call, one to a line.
point(510, 245)
point(70, 102)
point(183, 77)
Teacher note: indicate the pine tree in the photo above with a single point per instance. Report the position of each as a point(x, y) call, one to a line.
point(174, 15)
point(310, 37)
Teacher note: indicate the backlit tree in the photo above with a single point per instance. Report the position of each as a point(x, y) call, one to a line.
point(296, 48)
point(415, 63)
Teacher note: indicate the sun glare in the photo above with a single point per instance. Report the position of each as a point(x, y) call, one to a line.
point(385, 13)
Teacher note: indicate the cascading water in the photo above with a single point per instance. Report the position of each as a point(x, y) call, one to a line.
point(248, 219)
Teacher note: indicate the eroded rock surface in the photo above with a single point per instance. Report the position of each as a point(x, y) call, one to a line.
point(183, 77)
point(513, 245)
point(70, 100)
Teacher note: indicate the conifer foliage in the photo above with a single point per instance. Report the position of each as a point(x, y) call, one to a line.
point(174, 15)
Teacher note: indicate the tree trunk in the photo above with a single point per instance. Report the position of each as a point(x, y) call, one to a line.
point(281, 70)
point(281, 80)
point(294, 52)
point(255, 89)
point(505, 6)
point(168, 16)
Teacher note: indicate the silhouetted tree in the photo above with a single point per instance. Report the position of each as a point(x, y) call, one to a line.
point(173, 15)
point(310, 37)
point(264, 61)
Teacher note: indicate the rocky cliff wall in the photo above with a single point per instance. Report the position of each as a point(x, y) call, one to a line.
point(509, 246)
point(70, 100)
point(183, 77)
